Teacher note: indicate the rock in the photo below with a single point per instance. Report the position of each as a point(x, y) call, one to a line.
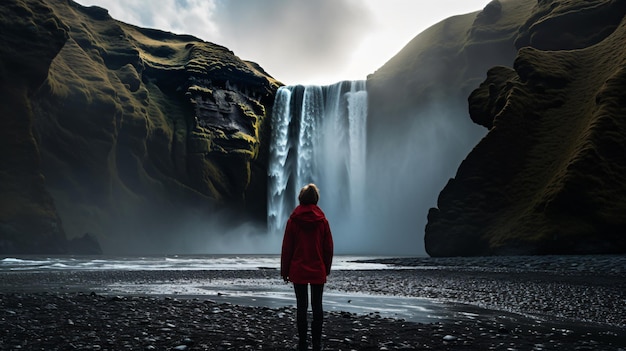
point(549, 176)
point(109, 125)
point(32, 37)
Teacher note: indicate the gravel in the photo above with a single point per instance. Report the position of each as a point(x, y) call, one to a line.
point(557, 308)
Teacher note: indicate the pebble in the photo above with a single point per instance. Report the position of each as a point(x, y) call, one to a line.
point(189, 324)
point(590, 293)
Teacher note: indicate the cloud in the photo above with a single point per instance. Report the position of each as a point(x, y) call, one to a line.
point(193, 17)
point(300, 39)
point(297, 41)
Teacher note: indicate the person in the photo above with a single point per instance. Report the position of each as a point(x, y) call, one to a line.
point(306, 259)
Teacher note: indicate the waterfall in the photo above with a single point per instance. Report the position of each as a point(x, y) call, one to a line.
point(319, 136)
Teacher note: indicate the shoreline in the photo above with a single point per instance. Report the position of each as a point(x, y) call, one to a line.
point(524, 310)
point(586, 298)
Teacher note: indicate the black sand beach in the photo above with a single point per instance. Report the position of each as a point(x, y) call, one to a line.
point(524, 309)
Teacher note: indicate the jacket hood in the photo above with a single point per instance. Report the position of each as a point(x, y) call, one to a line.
point(307, 213)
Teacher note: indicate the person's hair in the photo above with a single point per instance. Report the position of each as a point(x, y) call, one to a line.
point(309, 195)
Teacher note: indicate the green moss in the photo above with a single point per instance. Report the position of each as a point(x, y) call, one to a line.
point(114, 123)
point(548, 168)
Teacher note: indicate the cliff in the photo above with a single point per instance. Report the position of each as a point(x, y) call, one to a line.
point(122, 132)
point(28, 218)
point(446, 62)
point(419, 126)
point(549, 177)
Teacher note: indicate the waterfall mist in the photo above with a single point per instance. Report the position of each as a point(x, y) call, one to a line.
point(376, 189)
point(408, 164)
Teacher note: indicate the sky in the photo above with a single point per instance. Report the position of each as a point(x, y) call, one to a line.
point(297, 41)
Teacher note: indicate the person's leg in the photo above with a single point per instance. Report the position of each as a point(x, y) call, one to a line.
point(302, 303)
point(318, 315)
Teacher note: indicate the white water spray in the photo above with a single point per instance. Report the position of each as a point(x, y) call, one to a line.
point(319, 136)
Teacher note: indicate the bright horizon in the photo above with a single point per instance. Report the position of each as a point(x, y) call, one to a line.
point(301, 41)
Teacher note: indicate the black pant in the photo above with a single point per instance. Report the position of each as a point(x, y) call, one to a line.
point(302, 299)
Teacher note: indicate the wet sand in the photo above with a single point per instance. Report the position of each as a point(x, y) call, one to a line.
point(513, 309)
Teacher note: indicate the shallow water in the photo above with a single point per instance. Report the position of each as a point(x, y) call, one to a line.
point(173, 262)
point(274, 293)
point(593, 264)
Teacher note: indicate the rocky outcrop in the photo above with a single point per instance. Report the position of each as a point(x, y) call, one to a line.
point(550, 176)
point(136, 131)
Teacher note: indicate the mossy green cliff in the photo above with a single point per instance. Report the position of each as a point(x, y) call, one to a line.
point(550, 175)
point(122, 131)
point(28, 218)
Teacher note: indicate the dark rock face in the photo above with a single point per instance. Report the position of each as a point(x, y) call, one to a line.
point(28, 219)
point(135, 130)
point(550, 176)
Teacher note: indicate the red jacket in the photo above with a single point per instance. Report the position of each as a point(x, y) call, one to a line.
point(307, 252)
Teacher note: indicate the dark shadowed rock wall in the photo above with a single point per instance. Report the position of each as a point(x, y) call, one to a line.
point(28, 218)
point(123, 132)
point(550, 175)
